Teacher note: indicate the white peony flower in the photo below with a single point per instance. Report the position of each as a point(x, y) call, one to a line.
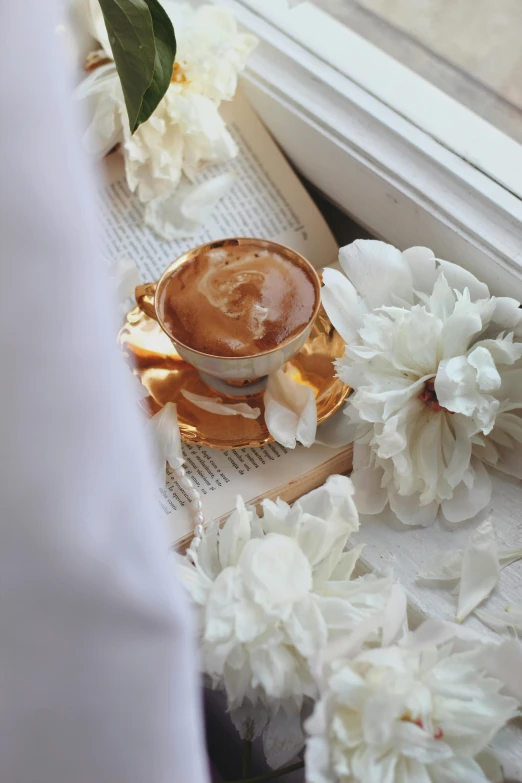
point(436, 363)
point(186, 129)
point(270, 593)
point(399, 715)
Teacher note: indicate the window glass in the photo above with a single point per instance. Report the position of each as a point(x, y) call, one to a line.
point(471, 49)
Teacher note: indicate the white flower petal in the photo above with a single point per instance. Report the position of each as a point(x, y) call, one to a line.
point(370, 497)
point(503, 620)
point(445, 567)
point(457, 446)
point(508, 556)
point(340, 430)
point(503, 350)
point(480, 570)
point(194, 580)
point(421, 261)
point(408, 510)
point(307, 628)
point(487, 376)
point(102, 89)
point(461, 279)
point(442, 299)
point(459, 329)
point(249, 720)
point(322, 520)
point(459, 770)
point(180, 215)
point(395, 617)
point(505, 663)
point(234, 534)
point(507, 314)
point(456, 387)
point(317, 761)
point(471, 496)
point(216, 405)
point(344, 307)
point(333, 501)
point(208, 553)
point(165, 432)
point(290, 411)
point(282, 739)
point(346, 564)
point(276, 570)
point(378, 271)
point(92, 17)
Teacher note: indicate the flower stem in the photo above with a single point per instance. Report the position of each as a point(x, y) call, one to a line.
point(247, 758)
point(272, 775)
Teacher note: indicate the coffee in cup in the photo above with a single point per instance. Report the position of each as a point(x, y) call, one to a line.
point(237, 301)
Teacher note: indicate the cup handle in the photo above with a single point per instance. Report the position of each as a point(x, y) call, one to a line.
point(145, 299)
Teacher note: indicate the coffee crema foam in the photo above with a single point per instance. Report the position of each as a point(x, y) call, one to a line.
point(237, 301)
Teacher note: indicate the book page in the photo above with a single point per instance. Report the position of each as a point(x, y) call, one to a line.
point(267, 201)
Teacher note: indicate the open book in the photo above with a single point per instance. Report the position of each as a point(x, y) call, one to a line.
point(267, 201)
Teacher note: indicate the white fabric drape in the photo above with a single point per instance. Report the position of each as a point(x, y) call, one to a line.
point(98, 679)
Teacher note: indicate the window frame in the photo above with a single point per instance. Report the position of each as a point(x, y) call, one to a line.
point(406, 161)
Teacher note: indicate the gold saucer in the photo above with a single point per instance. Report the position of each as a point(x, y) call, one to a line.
point(164, 373)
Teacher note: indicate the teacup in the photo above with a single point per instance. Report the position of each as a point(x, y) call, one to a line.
point(233, 373)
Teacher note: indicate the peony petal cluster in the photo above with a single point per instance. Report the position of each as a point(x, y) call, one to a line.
point(436, 364)
point(186, 130)
point(406, 715)
point(270, 592)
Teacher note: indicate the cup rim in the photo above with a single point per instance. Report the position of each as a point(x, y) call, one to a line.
point(235, 242)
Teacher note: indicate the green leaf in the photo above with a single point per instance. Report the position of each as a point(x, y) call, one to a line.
point(164, 60)
point(144, 47)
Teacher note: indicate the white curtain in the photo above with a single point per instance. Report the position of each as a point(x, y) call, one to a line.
point(98, 680)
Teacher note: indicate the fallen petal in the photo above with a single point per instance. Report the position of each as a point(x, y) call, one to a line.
point(215, 405)
point(191, 205)
point(290, 411)
point(502, 620)
point(165, 431)
point(446, 566)
point(480, 570)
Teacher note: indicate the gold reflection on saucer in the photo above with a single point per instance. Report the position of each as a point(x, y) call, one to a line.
point(165, 374)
